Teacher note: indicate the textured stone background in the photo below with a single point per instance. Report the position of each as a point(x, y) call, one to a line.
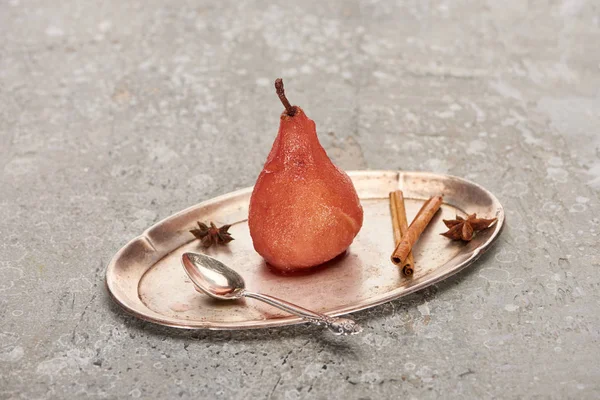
point(115, 114)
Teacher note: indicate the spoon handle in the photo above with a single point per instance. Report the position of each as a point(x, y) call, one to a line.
point(339, 326)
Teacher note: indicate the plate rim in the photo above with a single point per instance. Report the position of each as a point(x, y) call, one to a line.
point(292, 320)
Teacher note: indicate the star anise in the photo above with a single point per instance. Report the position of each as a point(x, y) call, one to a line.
point(463, 229)
point(210, 235)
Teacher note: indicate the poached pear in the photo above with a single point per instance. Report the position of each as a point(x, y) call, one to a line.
point(304, 210)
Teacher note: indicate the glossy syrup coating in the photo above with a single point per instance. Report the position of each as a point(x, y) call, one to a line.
point(304, 210)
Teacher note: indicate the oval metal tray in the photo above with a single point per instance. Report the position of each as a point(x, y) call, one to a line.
point(146, 277)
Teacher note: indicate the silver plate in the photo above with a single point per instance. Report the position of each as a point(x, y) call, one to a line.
point(146, 277)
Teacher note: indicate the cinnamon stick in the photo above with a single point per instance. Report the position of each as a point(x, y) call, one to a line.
point(415, 229)
point(400, 226)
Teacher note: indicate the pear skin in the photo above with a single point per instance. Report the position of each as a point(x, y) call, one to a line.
point(304, 210)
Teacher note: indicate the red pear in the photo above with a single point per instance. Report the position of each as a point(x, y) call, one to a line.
point(304, 210)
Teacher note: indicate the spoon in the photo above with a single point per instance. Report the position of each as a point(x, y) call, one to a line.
point(217, 280)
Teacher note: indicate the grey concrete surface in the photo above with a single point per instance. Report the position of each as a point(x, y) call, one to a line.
point(116, 114)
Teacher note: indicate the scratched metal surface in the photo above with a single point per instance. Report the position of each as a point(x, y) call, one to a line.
point(115, 115)
point(147, 279)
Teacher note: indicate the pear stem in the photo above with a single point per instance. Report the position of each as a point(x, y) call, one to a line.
point(291, 110)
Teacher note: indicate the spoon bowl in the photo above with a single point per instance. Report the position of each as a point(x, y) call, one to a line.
point(212, 277)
